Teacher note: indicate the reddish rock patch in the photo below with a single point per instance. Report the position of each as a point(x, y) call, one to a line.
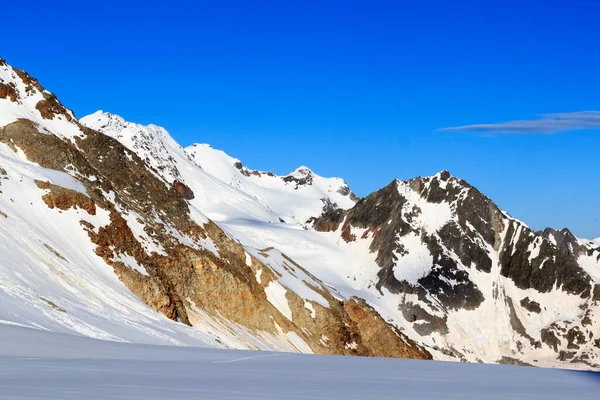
point(379, 337)
point(65, 199)
point(50, 108)
point(8, 91)
point(183, 190)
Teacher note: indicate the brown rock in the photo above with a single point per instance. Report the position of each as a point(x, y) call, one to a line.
point(8, 91)
point(183, 190)
point(65, 199)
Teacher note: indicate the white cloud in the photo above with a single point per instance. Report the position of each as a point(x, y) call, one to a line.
point(545, 124)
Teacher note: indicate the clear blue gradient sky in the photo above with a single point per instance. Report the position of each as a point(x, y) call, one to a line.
point(357, 89)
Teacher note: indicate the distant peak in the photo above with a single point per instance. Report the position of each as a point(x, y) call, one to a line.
point(302, 170)
point(115, 125)
point(101, 116)
point(443, 175)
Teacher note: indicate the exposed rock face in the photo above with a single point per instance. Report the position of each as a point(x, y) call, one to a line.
point(376, 335)
point(443, 248)
point(183, 190)
point(49, 108)
point(8, 91)
point(302, 177)
point(65, 199)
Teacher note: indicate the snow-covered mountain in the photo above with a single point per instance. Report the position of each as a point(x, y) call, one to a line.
point(473, 282)
point(111, 229)
point(297, 197)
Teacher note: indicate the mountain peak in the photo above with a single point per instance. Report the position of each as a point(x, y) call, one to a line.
point(22, 97)
point(296, 197)
point(102, 119)
point(302, 170)
point(443, 175)
point(150, 142)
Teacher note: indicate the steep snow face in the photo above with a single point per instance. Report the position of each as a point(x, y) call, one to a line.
point(590, 262)
point(22, 97)
point(296, 197)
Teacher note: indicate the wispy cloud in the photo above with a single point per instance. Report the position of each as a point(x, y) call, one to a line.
point(544, 124)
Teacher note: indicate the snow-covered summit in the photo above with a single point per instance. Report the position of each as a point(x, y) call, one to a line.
point(148, 142)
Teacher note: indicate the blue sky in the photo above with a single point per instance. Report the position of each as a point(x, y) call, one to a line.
point(353, 89)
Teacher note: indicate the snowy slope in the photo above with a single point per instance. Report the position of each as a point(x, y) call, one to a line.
point(45, 365)
point(296, 197)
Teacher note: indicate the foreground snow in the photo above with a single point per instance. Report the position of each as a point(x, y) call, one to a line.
point(36, 364)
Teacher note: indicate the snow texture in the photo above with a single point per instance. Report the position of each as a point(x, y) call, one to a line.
point(35, 364)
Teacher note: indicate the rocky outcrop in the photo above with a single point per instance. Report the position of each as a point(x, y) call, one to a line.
point(8, 91)
point(183, 190)
point(64, 199)
point(50, 107)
